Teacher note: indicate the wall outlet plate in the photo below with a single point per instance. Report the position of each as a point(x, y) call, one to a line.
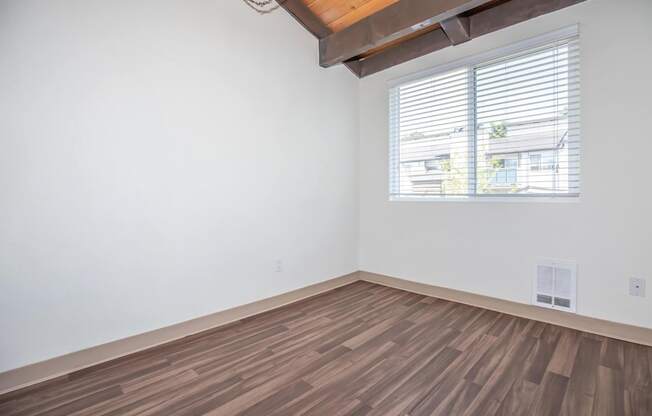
point(637, 287)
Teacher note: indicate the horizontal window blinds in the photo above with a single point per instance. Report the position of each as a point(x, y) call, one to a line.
point(506, 127)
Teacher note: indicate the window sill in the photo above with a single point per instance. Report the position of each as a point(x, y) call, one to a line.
point(489, 199)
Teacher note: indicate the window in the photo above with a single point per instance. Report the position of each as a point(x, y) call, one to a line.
point(439, 163)
point(498, 125)
point(542, 161)
point(535, 161)
point(505, 172)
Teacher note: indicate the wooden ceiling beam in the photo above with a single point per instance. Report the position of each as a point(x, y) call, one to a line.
point(393, 22)
point(403, 52)
point(457, 29)
point(512, 12)
point(485, 21)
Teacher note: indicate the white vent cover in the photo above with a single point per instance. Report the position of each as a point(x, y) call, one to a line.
point(555, 285)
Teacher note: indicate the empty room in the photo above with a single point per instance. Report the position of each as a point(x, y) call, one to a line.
point(325, 207)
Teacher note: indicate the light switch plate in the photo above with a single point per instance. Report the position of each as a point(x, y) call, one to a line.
point(637, 287)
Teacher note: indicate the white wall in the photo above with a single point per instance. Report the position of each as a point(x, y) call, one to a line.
point(156, 158)
point(491, 248)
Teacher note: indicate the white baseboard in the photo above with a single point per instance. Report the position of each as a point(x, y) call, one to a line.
point(625, 332)
point(65, 364)
point(58, 366)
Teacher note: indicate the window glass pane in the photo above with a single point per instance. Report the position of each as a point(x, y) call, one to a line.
point(525, 106)
point(535, 161)
point(508, 127)
point(432, 153)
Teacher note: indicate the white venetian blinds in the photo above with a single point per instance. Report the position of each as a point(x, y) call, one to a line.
point(506, 126)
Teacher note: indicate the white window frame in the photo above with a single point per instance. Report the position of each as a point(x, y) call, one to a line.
point(518, 47)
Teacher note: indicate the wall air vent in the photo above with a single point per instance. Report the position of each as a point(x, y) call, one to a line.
point(555, 285)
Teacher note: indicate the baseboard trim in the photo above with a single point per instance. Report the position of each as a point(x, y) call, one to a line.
point(59, 366)
point(625, 332)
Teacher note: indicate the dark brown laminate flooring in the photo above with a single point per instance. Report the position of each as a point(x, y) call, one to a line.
point(362, 349)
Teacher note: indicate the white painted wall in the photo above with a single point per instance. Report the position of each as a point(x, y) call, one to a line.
point(156, 158)
point(491, 248)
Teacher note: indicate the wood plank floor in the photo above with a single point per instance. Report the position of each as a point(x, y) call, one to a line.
point(362, 349)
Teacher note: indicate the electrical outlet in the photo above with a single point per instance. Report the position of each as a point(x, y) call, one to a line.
point(279, 266)
point(637, 287)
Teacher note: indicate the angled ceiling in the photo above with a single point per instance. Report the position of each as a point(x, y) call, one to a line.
point(369, 36)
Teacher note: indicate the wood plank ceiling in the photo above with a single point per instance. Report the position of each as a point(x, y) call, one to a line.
point(340, 14)
point(369, 36)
